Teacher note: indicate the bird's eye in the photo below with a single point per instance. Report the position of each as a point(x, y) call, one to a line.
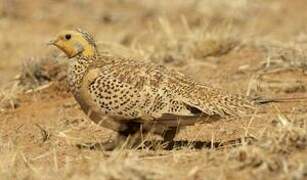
point(67, 36)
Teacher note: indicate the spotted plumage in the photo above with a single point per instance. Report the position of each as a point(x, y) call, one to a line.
point(124, 93)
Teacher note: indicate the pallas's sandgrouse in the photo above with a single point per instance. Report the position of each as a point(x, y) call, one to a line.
point(132, 97)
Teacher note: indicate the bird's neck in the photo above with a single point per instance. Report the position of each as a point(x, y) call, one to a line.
point(89, 52)
point(77, 69)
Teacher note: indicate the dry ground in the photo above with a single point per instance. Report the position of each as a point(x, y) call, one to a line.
point(251, 47)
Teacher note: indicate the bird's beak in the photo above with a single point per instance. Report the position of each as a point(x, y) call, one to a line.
point(52, 42)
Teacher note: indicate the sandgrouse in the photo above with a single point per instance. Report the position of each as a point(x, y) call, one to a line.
point(132, 97)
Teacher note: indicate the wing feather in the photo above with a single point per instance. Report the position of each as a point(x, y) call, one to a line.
point(171, 92)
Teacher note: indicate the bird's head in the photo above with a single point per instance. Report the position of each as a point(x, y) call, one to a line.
point(74, 43)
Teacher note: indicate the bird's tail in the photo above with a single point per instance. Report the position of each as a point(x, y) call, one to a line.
point(266, 100)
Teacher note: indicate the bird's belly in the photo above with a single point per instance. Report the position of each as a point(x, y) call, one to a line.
point(97, 116)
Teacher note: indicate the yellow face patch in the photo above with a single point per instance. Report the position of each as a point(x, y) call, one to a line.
point(73, 43)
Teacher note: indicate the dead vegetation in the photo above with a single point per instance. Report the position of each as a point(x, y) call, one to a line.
point(271, 152)
point(254, 47)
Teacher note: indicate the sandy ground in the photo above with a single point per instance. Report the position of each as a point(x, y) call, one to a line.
point(248, 47)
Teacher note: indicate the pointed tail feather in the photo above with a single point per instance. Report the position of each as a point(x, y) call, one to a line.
point(265, 100)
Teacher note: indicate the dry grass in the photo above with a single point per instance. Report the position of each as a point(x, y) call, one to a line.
point(254, 47)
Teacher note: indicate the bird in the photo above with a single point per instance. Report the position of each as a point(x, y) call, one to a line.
point(133, 97)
